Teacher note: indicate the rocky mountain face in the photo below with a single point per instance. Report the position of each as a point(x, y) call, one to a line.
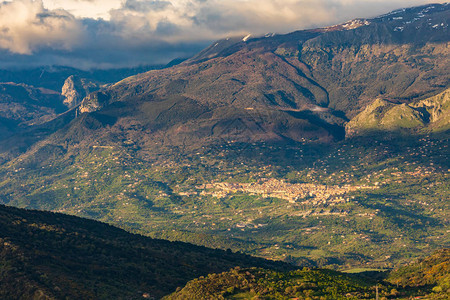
point(402, 55)
point(75, 89)
point(300, 86)
point(428, 115)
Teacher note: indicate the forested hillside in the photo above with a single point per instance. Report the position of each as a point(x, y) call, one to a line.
point(45, 255)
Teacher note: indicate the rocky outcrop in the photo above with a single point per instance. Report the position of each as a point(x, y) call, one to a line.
point(75, 89)
point(94, 102)
point(431, 114)
point(70, 91)
point(438, 108)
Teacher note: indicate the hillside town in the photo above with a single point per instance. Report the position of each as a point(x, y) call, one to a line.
point(303, 193)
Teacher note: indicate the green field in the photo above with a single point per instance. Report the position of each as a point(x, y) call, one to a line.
point(405, 216)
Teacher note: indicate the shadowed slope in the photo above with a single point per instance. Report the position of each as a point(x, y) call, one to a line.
point(52, 256)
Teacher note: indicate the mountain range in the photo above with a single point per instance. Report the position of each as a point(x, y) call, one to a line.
point(304, 85)
point(322, 147)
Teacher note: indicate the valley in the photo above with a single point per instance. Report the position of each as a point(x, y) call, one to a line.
point(321, 148)
point(384, 193)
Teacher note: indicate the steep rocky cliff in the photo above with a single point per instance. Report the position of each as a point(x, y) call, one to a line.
point(75, 89)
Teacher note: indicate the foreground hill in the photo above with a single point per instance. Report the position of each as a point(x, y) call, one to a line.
point(265, 284)
point(432, 272)
point(52, 256)
point(427, 279)
point(45, 255)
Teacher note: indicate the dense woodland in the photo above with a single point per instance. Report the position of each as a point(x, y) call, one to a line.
point(53, 256)
point(45, 255)
point(426, 279)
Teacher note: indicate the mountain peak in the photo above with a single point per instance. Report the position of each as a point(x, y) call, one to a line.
point(349, 25)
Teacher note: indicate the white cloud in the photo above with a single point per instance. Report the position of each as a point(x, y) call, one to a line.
point(26, 25)
point(175, 20)
point(85, 8)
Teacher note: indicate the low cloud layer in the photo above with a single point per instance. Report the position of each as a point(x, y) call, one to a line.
point(115, 33)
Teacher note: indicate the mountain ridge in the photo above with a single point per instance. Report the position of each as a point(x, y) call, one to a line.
point(428, 115)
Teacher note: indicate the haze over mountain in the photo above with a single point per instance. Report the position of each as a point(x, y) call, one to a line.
point(321, 147)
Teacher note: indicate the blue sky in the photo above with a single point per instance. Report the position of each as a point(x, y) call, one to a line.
point(116, 33)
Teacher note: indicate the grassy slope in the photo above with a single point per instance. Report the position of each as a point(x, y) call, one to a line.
point(432, 272)
point(407, 213)
point(428, 279)
point(428, 115)
point(266, 284)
